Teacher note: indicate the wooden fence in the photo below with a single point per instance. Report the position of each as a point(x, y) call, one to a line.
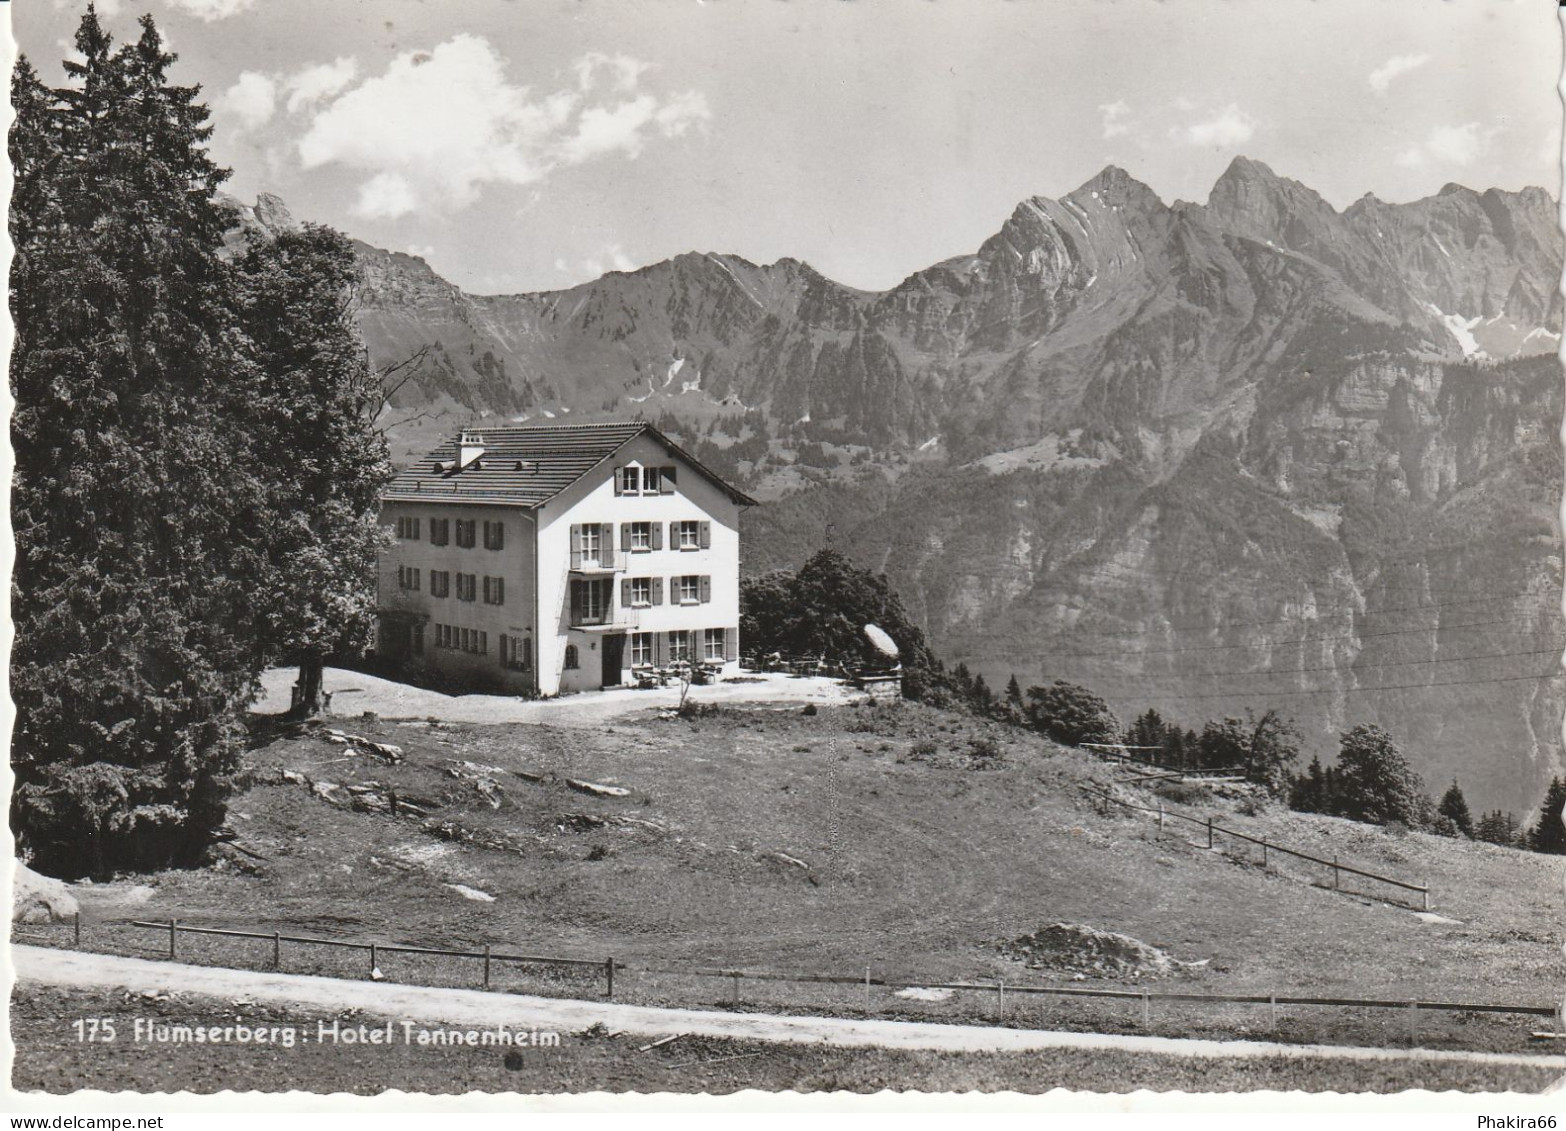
point(1266, 845)
point(1000, 988)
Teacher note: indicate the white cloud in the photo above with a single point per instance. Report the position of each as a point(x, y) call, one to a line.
point(385, 196)
point(439, 125)
point(324, 80)
point(210, 10)
point(1231, 126)
point(612, 258)
point(1115, 115)
point(1445, 145)
point(624, 71)
point(1382, 76)
point(251, 100)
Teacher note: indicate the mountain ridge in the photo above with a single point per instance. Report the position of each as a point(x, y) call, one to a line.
point(1277, 453)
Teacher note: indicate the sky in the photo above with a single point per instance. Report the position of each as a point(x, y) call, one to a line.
point(523, 145)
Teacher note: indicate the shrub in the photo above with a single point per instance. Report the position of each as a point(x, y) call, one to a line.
point(1071, 714)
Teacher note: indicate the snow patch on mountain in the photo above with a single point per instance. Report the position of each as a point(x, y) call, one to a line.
point(1461, 329)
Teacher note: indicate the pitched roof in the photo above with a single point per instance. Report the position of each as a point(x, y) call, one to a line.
point(528, 466)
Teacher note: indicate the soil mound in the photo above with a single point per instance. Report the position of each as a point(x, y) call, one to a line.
point(1074, 949)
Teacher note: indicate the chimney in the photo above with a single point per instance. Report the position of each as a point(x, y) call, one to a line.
point(469, 448)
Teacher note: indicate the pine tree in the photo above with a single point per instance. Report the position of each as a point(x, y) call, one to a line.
point(1549, 833)
point(310, 410)
point(131, 586)
point(1454, 807)
point(1014, 690)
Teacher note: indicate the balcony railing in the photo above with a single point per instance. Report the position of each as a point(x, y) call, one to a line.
point(600, 563)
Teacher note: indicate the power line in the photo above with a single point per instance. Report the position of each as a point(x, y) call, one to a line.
point(1286, 643)
point(1154, 697)
point(1556, 651)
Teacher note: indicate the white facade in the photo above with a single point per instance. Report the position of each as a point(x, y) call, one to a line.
point(609, 574)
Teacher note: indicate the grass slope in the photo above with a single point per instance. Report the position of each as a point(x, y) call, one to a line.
point(930, 839)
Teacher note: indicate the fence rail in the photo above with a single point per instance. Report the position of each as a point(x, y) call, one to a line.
point(611, 968)
point(1266, 845)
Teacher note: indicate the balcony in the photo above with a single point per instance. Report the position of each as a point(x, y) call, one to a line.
point(587, 564)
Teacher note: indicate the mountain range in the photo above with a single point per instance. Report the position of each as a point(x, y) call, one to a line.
point(1207, 458)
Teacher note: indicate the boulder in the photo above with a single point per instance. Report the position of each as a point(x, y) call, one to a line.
point(40, 899)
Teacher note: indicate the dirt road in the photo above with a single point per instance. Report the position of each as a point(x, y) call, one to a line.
point(475, 1009)
point(355, 692)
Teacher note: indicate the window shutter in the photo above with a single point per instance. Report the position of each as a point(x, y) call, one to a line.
point(505, 649)
point(486, 589)
point(706, 535)
point(625, 592)
point(576, 546)
point(527, 653)
point(666, 485)
point(608, 542)
point(674, 635)
point(730, 645)
point(657, 590)
point(657, 645)
point(500, 590)
point(619, 481)
point(706, 589)
point(625, 536)
point(657, 535)
point(674, 536)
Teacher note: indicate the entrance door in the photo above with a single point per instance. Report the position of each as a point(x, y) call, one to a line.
point(614, 659)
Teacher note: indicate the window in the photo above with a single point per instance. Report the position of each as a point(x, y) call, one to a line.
point(570, 657)
point(408, 528)
point(641, 649)
point(712, 644)
point(440, 531)
point(418, 640)
point(494, 590)
point(692, 589)
point(494, 536)
point(443, 636)
point(590, 601)
point(440, 582)
point(467, 587)
point(407, 578)
point(639, 538)
point(516, 652)
point(637, 592)
point(689, 535)
point(470, 640)
point(466, 533)
point(650, 481)
point(628, 481)
point(592, 545)
point(679, 646)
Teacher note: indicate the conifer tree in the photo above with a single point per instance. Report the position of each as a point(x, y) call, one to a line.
point(1549, 833)
point(1014, 690)
point(310, 409)
point(1454, 807)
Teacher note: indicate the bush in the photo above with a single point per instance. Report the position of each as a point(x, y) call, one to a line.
point(1071, 714)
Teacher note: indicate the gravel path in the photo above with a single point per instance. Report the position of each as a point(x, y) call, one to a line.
point(475, 1009)
point(355, 692)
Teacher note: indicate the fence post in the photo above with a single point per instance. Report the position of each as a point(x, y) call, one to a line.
point(1264, 856)
point(1160, 816)
point(1425, 894)
point(608, 971)
point(1272, 1011)
point(77, 929)
point(277, 950)
point(1413, 1022)
point(735, 974)
point(867, 989)
point(486, 968)
point(173, 929)
point(1147, 1009)
point(1334, 872)
point(1209, 832)
point(1000, 996)
point(372, 960)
